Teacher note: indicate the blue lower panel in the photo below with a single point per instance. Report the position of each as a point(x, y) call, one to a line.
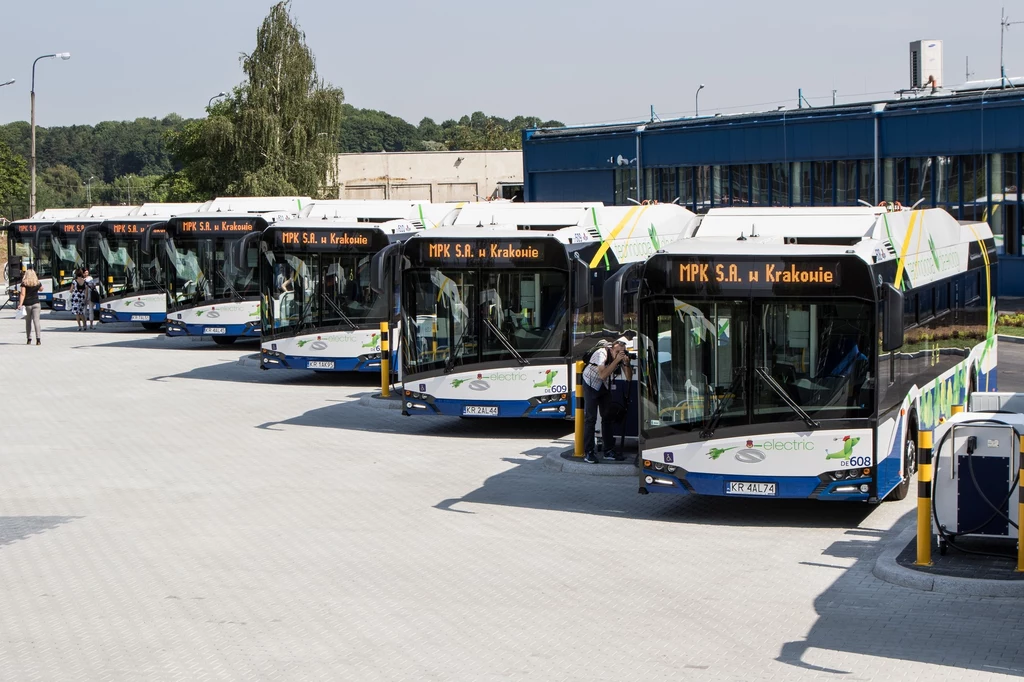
point(116, 316)
point(506, 408)
point(243, 330)
point(302, 362)
point(798, 487)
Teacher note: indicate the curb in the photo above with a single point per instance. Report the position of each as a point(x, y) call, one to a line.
point(1005, 338)
point(564, 462)
point(375, 401)
point(887, 569)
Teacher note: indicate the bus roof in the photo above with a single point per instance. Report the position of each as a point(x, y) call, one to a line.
point(386, 226)
point(254, 205)
point(51, 214)
point(538, 215)
point(165, 210)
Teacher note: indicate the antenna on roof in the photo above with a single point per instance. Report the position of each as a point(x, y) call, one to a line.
point(861, 201)
point(633, 200)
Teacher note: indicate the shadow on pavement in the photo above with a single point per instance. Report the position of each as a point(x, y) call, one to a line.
point(351, 415)
point(861, 614)
point(14, 528)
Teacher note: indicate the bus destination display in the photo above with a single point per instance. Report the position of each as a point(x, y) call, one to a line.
point(467, 252)
point(72, 228)
point(757, 274)
point(211, 227)
point(321, 238)
point(131, 228)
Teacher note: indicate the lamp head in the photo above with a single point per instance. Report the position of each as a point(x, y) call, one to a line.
point(701, 87)
point(63, 55)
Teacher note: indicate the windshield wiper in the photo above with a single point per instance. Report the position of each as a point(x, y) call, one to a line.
point(774, 385)
point(505, 342)
point(449, 363)
point(336, 308)
point(229, 286)
point(716, 416)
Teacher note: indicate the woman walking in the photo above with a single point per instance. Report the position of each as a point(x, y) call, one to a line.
point(79, 298)
point(29, 300)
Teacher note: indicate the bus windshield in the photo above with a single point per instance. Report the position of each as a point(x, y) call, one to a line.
point(205, 270)
point(456, 316)
point(66, 260)
point(728, 363)
point(125, 267)
point(319, 290)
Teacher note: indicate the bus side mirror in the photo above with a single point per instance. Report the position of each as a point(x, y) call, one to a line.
point(892, 329)
point(379, 280)
point(581, 281)
point(615, 293)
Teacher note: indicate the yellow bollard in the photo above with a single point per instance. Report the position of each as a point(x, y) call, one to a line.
point(578, 445)
point(385, 361)
point(956, 409)
point(1020, 510)
point(924, 498)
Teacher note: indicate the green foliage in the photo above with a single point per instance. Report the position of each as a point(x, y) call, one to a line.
point(13, 180)
point(278, 132)
point(369, 130)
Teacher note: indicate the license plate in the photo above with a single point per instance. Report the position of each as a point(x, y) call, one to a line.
point(214, 330)
point(320, 364)
point(481, 410)
point(749, 488)
point(140, 318)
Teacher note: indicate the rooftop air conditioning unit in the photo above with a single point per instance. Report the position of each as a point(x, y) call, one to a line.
point(926, 63)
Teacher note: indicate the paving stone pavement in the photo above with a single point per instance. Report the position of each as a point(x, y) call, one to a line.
point(167, 513)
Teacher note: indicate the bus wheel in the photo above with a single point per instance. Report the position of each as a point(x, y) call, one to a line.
point(223, 340)
point(152, 326)
point(909, 467)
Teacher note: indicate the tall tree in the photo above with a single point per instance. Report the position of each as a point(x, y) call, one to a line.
point(13, 183)
point(279, 130)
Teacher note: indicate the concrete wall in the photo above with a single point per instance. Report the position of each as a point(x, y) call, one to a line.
point(430, 176)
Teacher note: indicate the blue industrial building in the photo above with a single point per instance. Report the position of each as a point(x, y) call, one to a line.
point(961, 151)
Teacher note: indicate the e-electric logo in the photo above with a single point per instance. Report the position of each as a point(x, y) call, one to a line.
point(318, 345)
point(213, 313)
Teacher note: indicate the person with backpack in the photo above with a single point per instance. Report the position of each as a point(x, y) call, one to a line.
point(93, 298)
point(79, 298)
point(603, 366)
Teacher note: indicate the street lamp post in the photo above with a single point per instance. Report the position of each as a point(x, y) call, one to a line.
point(10, 82)
point(88, 189)
point(696, 101)
point(219, 94)
point(32, 159)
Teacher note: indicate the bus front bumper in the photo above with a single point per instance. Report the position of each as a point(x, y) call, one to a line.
point(657, 478)
point(179, 328)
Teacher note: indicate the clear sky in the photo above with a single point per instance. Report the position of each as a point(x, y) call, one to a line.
point(578, 61)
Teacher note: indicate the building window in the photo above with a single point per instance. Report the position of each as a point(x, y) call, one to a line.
point(846, 183)
point(780, 185)
point(973, 176)
point(667, 190)
point(947, 180)
point(894, 173)
point(702, 197)
point(686, 176)
point(720, 185)
point(823, 183)
point(919, 181)
point(740, 185)
point(866, 182)
point(759, 194)
point(625, 185)
point(800, 176)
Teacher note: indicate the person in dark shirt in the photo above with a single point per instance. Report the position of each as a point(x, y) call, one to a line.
point(29, 300)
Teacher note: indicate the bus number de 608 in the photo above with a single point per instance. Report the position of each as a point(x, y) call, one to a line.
point(855, 462)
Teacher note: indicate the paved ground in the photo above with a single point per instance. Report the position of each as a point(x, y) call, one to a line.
point(166, 513)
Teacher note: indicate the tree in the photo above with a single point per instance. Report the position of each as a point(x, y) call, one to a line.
point(277, 134)
point(13, 182)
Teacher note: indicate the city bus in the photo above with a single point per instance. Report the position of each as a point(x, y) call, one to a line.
point(60, 241)
point(24, 251)
point(210, 266)
point(131, 279)
point(797, 352)
point(494, 315)
point(318, 309)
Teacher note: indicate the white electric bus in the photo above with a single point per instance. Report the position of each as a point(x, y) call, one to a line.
point(61, 240)
point(129, 279)
point(496, 308)
point(210, 266)
point(25, 251)
point(319, 311)
point(797, 352)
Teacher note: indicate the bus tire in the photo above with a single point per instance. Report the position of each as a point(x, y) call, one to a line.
point(224, 340)
point(152, 326)
point(909, 465)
